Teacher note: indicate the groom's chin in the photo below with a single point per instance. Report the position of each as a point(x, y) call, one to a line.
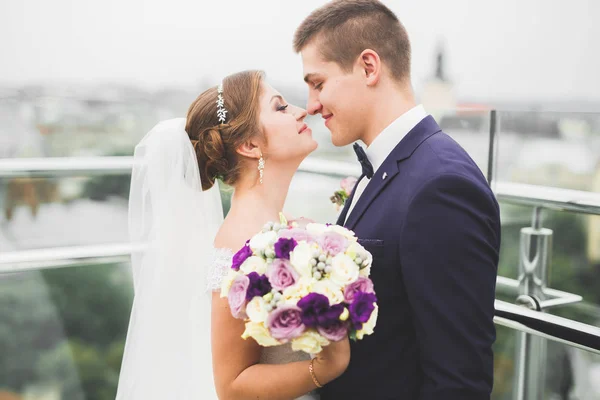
point(339, 142)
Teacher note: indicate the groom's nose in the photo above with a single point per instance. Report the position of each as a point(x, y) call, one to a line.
point(314, 105)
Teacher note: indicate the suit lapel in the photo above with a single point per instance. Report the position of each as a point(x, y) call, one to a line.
point(342, 217)
point(375, 185)
point(389, 169)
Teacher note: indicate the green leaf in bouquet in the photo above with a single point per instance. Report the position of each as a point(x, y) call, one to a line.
point(282, 219)
point(353, 335)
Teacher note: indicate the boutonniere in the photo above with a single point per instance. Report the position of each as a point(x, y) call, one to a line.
point(343, 193)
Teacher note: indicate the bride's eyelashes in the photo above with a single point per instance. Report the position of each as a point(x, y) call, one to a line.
point(282, 108)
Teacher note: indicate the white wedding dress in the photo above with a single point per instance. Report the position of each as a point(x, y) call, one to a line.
point(172, 225)
point(270, 355)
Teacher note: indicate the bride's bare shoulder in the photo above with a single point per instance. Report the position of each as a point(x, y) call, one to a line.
point(234, 233)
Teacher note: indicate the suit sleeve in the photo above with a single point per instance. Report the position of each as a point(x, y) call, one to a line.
point(449, 256)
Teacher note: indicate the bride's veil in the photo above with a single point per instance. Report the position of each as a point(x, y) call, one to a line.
point(167, 352)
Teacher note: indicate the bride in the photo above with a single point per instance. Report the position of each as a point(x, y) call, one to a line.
point(182, 341)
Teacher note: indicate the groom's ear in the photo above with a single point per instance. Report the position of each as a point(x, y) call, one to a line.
point(370, 65)
point(249, 149)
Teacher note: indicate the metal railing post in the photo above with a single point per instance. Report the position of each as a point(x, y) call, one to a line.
point(534, 263)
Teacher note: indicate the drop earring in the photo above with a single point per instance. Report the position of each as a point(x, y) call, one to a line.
point(261, 168)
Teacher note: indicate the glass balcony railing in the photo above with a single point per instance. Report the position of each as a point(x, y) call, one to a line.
point(65, 284)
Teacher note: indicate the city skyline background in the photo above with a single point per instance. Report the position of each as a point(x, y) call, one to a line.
point(531, 50)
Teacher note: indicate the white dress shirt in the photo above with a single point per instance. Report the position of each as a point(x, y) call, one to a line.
point(385, 142)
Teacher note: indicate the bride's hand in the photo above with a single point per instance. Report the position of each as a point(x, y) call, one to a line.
point(332, 361)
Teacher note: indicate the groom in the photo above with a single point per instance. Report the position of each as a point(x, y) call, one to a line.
point(422, 208)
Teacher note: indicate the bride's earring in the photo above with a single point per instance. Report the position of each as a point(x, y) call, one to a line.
point(261, 168)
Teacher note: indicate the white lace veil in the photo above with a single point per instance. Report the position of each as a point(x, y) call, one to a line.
point(167, 352)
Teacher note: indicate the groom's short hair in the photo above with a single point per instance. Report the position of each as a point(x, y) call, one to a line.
point(344, 28)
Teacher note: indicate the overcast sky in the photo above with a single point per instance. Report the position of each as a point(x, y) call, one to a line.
point(509, 49)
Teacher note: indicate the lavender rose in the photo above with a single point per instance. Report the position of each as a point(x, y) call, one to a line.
point(361, 308)
point(335, 331)
point(333, 243)
point(285, 322)
point(241, 256)
point(258, 285)
point(284, 246)
point(282, 274)
point(360, 285)
point(237, 296)
point(297, 234)
point(317, 312)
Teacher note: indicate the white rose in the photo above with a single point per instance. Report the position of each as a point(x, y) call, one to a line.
point(369, 326)
point(316, 229)
point(260, 333)
point(365, 272)
point(254, 264)
point(344, 270)
point(227, 281)
point(329, 289)
point(256, 309)
point(300, 259)
point(348, 234)
point(367, 257)
point(261, 241)
point(355, 250)
point(309, 342)
point(298, 290)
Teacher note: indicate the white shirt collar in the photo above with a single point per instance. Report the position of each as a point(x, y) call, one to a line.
point(387, 140)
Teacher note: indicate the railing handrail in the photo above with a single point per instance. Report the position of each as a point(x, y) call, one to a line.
point(552, 327)
point(508, 192)
point(559, 329)
point(64, 166)
point(72, 166)
point(59, 257)
point(547, 197)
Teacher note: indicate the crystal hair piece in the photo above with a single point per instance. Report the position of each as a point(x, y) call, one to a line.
point(221, 111)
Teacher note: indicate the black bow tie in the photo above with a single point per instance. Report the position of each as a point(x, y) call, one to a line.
point(367, 167)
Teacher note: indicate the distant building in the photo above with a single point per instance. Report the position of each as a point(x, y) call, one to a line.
point(438, 95)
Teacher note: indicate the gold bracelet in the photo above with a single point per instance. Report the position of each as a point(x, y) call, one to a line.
point(311, 369)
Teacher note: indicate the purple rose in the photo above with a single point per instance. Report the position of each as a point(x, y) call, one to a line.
point(237, 296)
point(284, 246)
point(333, 243)
point(241, 256)
point(335, 331)
point(317, 312)
point(360, 285)
point(281, 274)
point(361, 308)
point(297, 234)
point(258, 285)
point(285, 322)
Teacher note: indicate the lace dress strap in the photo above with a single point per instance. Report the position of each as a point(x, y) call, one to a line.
point(218, 268)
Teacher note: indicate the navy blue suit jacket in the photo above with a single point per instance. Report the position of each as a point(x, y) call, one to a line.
point(433, 227)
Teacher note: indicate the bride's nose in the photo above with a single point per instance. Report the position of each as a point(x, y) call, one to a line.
point(300, 113)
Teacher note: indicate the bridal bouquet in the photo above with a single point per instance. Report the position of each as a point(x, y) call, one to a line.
point(305, 284)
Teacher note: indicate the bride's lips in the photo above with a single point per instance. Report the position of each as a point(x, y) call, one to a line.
point(327, 118)
point(303, 129)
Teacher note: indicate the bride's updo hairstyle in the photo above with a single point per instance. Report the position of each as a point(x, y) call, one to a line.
point(215, 143)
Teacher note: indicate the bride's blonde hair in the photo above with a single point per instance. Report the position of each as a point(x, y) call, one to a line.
point(216, 143)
